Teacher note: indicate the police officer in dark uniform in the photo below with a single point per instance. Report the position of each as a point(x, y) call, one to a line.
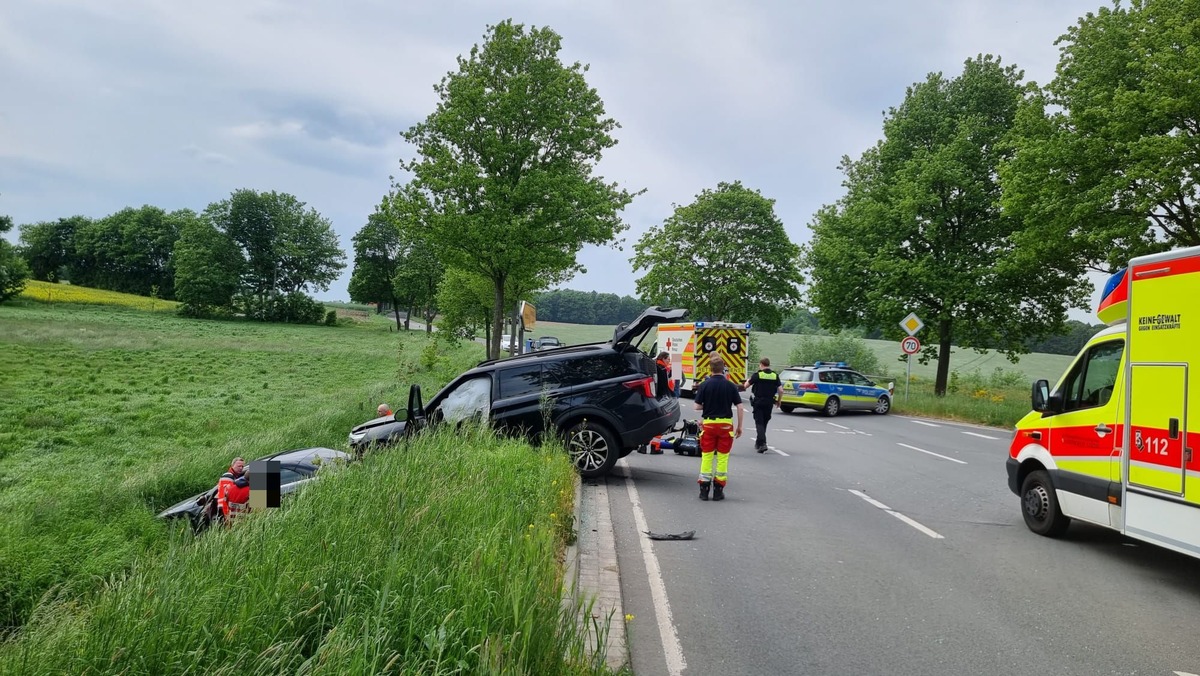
point(765, 394)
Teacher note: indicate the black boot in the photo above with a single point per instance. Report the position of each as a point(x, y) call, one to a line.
point(704, 486)
point(718, 493)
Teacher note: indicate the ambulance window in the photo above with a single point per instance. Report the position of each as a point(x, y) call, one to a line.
point(1090, 384)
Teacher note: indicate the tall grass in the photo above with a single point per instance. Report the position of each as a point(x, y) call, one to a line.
point(438, 557)
point(110, 415)
point(46, 292)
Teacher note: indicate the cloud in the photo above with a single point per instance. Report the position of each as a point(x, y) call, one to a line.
point(209, 156)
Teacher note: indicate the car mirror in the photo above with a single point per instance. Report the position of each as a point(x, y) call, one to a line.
point(1039, 396)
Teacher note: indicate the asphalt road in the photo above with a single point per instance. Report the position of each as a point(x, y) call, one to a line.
point(868, 544)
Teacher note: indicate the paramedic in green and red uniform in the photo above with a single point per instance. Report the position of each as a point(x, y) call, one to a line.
point(716, 399)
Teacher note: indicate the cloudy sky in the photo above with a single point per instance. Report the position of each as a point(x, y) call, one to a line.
point(176, 104)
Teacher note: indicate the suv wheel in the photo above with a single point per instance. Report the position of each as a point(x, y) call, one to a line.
point(592, 449)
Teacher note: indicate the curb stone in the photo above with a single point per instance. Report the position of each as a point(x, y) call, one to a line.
point(592, 572)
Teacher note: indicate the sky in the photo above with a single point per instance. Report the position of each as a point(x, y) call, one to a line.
point(129, 102)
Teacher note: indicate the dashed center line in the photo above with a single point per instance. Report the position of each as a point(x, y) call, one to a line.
point(912, 522)
point(839, 426)
point(937, 455)
point(816, 431)
point(981, 436)
point(927, 424)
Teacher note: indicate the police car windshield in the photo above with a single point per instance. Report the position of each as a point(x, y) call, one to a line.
point(796, 374)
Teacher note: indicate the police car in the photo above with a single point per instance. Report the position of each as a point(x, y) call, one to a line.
point(831, 389)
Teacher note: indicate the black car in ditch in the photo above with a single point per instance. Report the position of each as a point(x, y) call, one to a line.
point(296, 468)
point(602, 399)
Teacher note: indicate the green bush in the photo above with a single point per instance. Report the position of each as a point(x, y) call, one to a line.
point(842, 347)
point(975, 381)
point(331, 318)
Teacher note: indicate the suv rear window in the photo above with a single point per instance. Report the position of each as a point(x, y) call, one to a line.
point(571, 372)
point(796, 375)
point(520, 380)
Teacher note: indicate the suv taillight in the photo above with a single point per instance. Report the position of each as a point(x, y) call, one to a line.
point(646, 385)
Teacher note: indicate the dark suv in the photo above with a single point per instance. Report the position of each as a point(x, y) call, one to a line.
point(601, 398)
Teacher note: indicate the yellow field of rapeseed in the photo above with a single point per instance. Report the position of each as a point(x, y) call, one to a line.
point(45, 292)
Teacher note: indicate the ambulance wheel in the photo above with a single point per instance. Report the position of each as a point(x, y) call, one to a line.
point(787, 408)
point(1039, 505)
point(592, 449)
point(833, 405)
point(883, 405)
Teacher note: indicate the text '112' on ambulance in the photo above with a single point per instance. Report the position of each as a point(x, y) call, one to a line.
point(1113, 442)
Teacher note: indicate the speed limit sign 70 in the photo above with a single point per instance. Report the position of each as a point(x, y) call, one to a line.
point(910, 345)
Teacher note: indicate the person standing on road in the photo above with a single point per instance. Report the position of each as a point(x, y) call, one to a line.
point(233, 490)
point(716, 399)
point(765, 394)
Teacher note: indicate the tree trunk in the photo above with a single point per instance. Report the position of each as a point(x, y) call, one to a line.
point(516, 323)
point(396, 311)
point(497, 316)
point(407, 316)
point(943, 367)
point(428, 315)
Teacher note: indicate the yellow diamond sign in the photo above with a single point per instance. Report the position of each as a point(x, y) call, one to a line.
point(912, 323)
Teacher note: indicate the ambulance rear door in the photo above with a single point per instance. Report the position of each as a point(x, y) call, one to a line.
point(1161, 472)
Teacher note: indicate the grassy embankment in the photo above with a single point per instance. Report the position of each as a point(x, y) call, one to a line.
point(442, 557)
point(978, 393)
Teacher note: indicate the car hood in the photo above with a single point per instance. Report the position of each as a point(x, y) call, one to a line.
point(192, 505)
point(651, 317)
point(375, 422)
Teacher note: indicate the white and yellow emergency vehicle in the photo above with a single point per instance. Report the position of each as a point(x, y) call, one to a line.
point(690, 343)
point(1113, 443)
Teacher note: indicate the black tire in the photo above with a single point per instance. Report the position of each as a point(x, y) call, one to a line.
point(883, 405)
point(1039, 505)
point(833, 406)
point(787, 408)
point(592, 448)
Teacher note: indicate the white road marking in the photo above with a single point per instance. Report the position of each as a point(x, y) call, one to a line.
point(839, 426)
point(672, 650)
point(937, 455)
point(816, 431)
point(1185, 673)
point(927, 424)
point(781, 429)
point(981, 436)
point(915, 524)
point(776, 450)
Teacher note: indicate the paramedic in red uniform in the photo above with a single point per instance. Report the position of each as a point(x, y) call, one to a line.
point(233, 489)
point(716, 399)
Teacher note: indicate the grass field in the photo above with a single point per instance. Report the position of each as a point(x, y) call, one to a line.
point(113, 413)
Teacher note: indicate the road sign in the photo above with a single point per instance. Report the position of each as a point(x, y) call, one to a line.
point(910, 345)
point(912, 323)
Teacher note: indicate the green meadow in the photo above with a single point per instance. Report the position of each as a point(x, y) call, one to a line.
point(441, 556)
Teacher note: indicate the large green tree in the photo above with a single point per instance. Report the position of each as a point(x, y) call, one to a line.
point(378, 249)
point(49, 247)
point(1108, 159)
point(920, 228)
point(129, 251)
point(208, 266)
point(13, 269)
point(287, 249)
point(725, 257)
point(505, 165)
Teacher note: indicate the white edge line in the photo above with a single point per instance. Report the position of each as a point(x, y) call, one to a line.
point(922, 422)
point(840, 426)
point(915, 524)
point(672, 650)
point(816, 431)
point(981, 436)
point(936, 455)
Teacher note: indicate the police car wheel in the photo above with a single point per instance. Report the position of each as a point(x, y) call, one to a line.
point(787, 408)
point(833, 406)
point(1039, 505)
point(883, 405)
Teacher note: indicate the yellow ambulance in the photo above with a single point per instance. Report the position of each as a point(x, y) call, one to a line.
point(690, 344)
point(1113, 442)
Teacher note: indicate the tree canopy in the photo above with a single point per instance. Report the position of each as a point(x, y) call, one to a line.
point(725, 257)
point(920, 228)
point(504, 165)
point(13, 270)
point(1108, 155)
